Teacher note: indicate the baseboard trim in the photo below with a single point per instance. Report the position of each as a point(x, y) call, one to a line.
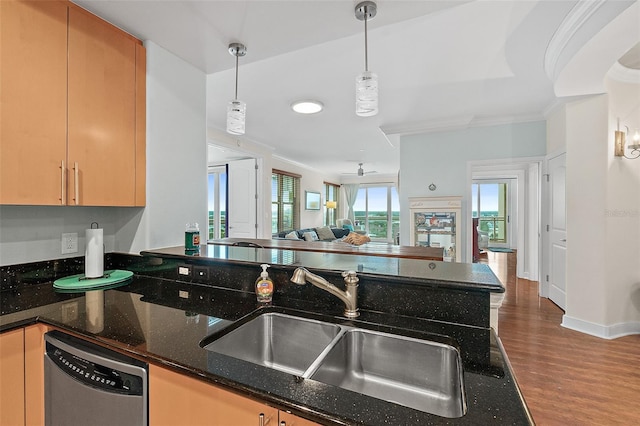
point(602, 331)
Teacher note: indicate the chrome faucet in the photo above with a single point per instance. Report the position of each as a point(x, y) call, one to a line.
point(349, 296)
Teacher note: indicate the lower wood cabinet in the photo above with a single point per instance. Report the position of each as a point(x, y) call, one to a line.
point(12, 377)
point(288, 419)
point(178, 399)
point(22, 376)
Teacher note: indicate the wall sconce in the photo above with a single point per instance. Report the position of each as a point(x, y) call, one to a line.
point(620, 141)
point(331, 204)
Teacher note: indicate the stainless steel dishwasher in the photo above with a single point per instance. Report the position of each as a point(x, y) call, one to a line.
point(89, 385)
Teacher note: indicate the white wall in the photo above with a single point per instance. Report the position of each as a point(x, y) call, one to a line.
point(33, 233)
point(622, 214)
point(556, 130)
point(176, 179)
point(441, 158)
point(586, 135)
point(603, 217)
point(176, 154)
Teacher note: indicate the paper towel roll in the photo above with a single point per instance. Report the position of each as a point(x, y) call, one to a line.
point(94, 255)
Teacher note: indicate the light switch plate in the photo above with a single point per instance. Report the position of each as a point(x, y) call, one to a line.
point(70, 243)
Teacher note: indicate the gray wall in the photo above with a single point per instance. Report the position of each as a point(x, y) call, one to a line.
point(441, 158)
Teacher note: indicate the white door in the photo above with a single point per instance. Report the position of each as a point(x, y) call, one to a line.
point(242, 208)
point(557, 229)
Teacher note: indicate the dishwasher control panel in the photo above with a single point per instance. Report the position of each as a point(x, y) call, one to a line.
point(94, 374)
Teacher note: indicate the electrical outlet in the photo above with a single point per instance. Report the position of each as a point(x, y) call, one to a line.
point(70, 243)
point(201, 272)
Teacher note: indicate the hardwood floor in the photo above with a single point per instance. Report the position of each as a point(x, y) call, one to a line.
point(566, 377)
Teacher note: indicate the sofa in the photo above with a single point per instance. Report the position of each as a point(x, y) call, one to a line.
point(323, 233)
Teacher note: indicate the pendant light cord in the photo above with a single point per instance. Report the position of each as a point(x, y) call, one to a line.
point(366, 55)
point(236, 98)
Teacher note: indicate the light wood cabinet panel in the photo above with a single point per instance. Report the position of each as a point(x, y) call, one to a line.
point(102, 112)
point(12, 377)
point(288, 419)
point(33, 102)
point(72, 110)
point(178, 399)
point(141, 125)
point(34, 373)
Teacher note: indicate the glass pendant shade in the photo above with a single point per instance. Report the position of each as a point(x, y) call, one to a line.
point(367, 94)
point(236, 114)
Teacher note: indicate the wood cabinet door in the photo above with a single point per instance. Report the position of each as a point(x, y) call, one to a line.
point(233, 409)
point(12, 377)
point(33, 102)
point(288, 419)
point(34, 373)
point(102, 112)
point(177, 399)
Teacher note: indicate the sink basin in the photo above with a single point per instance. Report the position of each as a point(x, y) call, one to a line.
point(420, 374)
point(423, 375)
point(279, 341)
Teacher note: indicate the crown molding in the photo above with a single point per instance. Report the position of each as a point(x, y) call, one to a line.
point(574, 20)
point(623, 74)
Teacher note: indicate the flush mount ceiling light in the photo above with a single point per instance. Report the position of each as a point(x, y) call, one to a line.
point(307, 107)
point(366, 82)
point(236, 110)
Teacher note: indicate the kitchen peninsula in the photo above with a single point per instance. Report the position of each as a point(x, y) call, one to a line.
point(175, 301)
point(339, 247)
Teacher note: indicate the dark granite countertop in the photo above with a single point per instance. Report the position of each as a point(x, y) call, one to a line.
point(163, 320)
point(468, 275)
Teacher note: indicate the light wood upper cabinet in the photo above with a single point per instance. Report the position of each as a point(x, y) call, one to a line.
point(33, 102)
point(102, 112)
point(73, 124)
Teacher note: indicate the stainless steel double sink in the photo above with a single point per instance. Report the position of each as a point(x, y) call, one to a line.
point(420, 374)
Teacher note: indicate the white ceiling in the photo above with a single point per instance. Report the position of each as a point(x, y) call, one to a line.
point(441, 64)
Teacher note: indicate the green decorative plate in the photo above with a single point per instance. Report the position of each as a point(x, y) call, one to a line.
point(80, 282)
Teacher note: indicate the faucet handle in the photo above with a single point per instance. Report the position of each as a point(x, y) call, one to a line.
point(350, 277)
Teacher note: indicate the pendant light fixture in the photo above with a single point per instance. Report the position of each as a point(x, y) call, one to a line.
point(236, 110)
point(366, 82)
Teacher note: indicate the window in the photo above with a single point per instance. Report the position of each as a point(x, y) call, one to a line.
point(377, 210)
point(217, 202)
point(489, 204)
point(331, 193)
point(285, 193)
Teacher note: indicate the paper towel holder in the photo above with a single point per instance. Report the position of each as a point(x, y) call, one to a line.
point(94, 253)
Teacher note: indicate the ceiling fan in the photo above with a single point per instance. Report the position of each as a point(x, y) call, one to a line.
point(361, 171)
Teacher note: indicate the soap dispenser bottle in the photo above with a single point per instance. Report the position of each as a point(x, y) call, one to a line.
point(264, 286)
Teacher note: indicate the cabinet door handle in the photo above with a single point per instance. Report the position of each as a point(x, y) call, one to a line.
point(261, 419)
point(63, 186)
point(76, 185)
point(283, 423)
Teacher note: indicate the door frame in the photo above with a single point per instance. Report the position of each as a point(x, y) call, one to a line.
point(511, 207)
point(545, 268)
point(527, 170)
